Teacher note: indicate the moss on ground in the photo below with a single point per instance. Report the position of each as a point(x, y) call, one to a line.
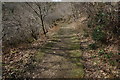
point(75, 53)
point(74, 46)
point(38, 56)
point(49, 44)
point(77, 73)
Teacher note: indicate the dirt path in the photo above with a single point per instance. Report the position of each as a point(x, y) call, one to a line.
point(60, 57)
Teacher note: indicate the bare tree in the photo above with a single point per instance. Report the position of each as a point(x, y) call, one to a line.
point(44, 9)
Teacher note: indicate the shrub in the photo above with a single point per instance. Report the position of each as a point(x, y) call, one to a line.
point(98, 35)
point(93, 46)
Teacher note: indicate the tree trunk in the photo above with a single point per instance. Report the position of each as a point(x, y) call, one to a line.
point(41, 17)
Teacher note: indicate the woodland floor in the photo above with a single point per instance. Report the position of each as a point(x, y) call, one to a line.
point(64, 54)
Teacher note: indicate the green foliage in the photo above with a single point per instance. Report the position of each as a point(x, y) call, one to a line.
point(107, 20)
point(101, 52)
point(98, 35)
point(101, 18)
point(93, 46)
point(112, 62)
point(108, 55)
